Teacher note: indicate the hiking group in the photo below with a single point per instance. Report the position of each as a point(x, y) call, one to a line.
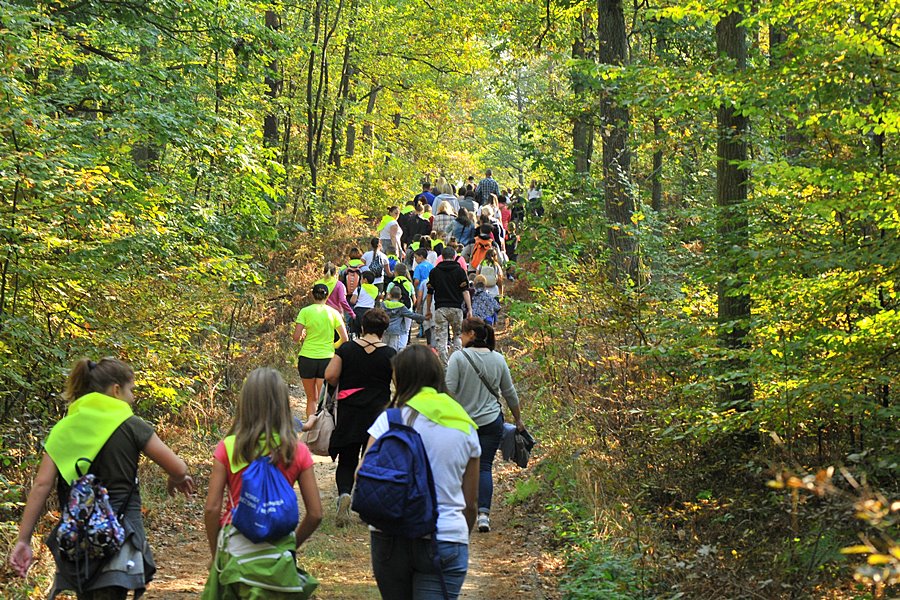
point(416, 432)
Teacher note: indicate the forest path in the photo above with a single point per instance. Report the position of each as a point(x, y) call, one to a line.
point(505, 563)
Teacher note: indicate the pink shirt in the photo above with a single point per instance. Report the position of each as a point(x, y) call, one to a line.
point(338, 299)
point(505, 216)
point(302, 461)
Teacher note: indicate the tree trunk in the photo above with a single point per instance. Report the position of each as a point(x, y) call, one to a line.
point(145, 154)
point(615, 122)
point(343, 95)
point(658, 135)
point(273, 83)
point(582, 129)
point(732, 226)
point(656, 175)
point(368, 129)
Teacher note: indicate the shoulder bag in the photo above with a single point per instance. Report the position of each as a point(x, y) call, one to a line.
point(319, 437)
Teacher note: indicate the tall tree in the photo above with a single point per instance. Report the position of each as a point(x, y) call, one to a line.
point(732, 177)
point(273, 82)
point(582, 127)
point(615, 122)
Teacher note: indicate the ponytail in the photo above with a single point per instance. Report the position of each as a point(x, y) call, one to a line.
point(88, 376)
point(484, 333)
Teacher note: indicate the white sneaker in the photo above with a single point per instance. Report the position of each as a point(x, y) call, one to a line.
point(483, 523)
point(343, 511)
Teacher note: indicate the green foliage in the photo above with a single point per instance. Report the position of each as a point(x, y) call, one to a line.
point(596, 571)
point(524, 490)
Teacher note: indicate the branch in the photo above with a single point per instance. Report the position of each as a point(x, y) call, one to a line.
point(93, 50)
point(540, 39)
point(443, 70)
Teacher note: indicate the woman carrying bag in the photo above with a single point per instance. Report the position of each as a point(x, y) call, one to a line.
point(476, 377)
point(362, 371)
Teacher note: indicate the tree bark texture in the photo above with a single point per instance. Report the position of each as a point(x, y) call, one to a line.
point(273, 83)
point(615, 123)
point(732, 226)
point(582, 127)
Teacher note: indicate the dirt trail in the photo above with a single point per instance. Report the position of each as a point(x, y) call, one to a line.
point(506, 563)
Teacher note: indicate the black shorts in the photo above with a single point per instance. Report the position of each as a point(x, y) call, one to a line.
point(312, 368)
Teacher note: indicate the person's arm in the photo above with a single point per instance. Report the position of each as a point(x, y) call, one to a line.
point(500, 277)
point(468, 298)
point(342, 334)
point(428, 303)
point(511, 396)
point(179, 478)
point(368, 445)
point(470, 491)
point(387, 266)
point(333, 370)
point(22, 556)
point(298, 332)
point(412, 315)
point(212, 510)
point(453, 376)
point(342, 298)
point(309, 491)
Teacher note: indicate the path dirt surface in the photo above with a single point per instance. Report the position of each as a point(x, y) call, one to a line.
point(506, 563)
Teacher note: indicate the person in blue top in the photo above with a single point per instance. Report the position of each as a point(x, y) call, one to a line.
point(423, 267)
point(426, 193)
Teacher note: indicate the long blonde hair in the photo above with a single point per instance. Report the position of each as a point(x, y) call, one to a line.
point(263, 412)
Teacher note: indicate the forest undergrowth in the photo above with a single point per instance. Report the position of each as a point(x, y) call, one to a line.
point(643, 511)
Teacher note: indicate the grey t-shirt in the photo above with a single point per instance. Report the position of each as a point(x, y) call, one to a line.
point(467, 388)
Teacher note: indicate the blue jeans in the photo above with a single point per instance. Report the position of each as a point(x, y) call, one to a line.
point(405, 569)
point(489, 436)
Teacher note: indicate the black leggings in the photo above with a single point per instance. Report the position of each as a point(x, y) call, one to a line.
point(347, 461)
point(107, 593)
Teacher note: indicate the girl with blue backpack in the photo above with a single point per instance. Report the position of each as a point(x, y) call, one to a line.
point(99, 435)
point(425, 567)
point(262, 427)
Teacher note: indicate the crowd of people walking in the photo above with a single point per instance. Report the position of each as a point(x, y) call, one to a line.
point(440, 261)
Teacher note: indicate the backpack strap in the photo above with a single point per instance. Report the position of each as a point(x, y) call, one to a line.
point(393, 415)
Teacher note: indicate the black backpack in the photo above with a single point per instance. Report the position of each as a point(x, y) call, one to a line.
point(377, 267)
point(405, 296)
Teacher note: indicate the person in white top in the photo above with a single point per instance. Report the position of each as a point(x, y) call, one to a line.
point(390, 232)
point(405, 568)
point(378, 268)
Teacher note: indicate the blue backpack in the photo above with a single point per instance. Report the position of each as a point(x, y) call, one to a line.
point(394, 489)
point(267, 509)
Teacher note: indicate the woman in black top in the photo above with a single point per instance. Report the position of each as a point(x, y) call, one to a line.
point(362, 368)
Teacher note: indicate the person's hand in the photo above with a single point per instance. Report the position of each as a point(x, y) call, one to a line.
point(310, 420)
point(185, 485)
point(21, 557)
point(428, 316)
point(520, 426)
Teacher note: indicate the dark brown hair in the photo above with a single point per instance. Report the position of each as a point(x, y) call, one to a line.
point(416, 367)
point(375, 321)
point(484, 333)
point(88, 376)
